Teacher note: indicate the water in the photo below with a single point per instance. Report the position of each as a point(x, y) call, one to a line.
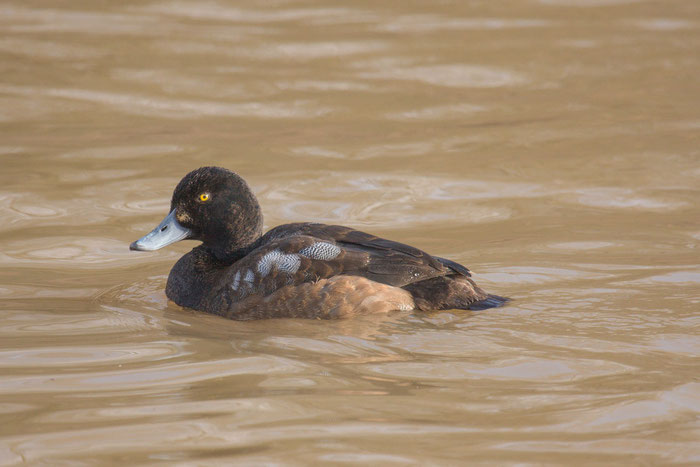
point(550, 146)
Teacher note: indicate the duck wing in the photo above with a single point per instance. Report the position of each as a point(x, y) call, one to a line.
point(311, 255)
point(297, 253)
point(401, 252)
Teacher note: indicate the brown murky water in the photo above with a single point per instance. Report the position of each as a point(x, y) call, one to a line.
point(552, 146)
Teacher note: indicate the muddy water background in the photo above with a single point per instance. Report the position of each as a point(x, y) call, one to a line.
point(552, 146)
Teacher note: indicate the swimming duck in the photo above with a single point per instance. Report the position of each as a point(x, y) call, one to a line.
point(302, 270)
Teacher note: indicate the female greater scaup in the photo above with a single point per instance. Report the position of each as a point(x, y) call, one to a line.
point(299, 270)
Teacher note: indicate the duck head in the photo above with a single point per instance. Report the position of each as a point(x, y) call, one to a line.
point(213, 205)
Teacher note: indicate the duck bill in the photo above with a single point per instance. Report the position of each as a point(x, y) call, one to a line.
point(168, 231)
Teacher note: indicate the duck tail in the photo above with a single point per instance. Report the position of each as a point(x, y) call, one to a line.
point(491, 301)
point(451, 292)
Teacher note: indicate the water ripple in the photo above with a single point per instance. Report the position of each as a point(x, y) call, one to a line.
point(531, 369)
point(431, 23)
point(396, 199)
point(46, 357)
point(165, 375)
point(178, 108)
point(452, 75)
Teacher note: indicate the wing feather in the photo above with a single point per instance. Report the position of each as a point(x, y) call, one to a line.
point(278, 260)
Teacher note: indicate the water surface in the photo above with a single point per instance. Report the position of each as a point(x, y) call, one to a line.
point(551, 146)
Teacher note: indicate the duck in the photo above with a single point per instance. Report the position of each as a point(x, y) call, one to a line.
point(298, 270)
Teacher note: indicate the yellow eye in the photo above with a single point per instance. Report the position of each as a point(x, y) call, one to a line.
point(204, 197)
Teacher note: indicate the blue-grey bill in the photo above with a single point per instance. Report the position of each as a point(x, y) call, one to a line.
point(169, 231)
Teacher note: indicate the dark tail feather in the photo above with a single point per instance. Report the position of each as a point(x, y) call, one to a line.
point(456, 267)
point(492, 301)
point(451, 292)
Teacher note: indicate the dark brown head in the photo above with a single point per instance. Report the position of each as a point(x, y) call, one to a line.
point(213, 205)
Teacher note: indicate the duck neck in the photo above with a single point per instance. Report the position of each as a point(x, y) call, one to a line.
point(230, 253)
point(237, 243)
